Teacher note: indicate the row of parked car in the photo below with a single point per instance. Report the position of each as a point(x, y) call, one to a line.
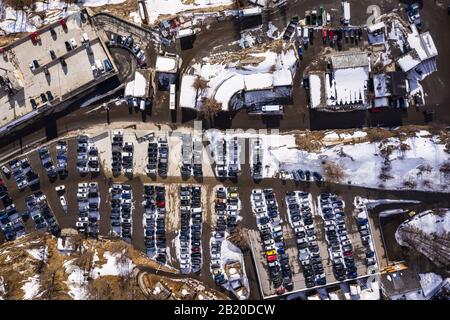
point(116, 148)
point(154, 222)
point(127, 42)
point(61, 159)
point(11, 222)
point(340, 247)
point(365, 234)
point(306, 176)
point(87, 156)
point(24, 175)
point(191, 229)
point(122, 210)
point(265, 207)
point(158, 157)
point(122, 154)
point(257, 159)
point(299, 207)
point(191, 152)
point(41, 214)
point(226, 208)
point(47, 163)
point(228, 158)
point(88, 197)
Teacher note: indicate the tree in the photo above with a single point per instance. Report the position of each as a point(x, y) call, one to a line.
point(199, 85)
point(333, 172)
point(210, 108)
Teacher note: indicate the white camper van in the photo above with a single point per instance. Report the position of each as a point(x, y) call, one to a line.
point(172, 97)
point(346, 13)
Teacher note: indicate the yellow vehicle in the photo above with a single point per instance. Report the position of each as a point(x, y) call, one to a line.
point(412, 213)
point(233, 195)
point(271, 252)
point(394, 268)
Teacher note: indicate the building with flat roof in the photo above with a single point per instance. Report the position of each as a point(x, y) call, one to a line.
point(47, 70)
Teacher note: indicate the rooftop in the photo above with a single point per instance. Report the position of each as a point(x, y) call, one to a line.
point(63, 82)
point(350, 59)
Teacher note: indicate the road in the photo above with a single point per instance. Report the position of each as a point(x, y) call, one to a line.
point(217, 38)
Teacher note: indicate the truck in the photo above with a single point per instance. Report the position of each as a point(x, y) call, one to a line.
point(172, 100)
point(345, 13)
point(413, 13)
point(272, 109)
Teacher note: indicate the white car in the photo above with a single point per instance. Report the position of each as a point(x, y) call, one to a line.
point(83, 185)
point(73, 43)
point(60, 188)
point(63, 202)
point(118, 133)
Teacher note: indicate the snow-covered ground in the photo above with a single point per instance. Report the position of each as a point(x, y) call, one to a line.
point(156, 8)
point(432, 224)
point(116, 265)
point(31, 287)
point(13, 21)
point(361, 163)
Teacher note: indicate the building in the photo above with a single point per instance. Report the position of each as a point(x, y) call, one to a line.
point(52, 68)
point(166, 69)
point(391, 89)
point(344, 85)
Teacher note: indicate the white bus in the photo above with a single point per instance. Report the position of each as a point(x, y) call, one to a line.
point(172, 97)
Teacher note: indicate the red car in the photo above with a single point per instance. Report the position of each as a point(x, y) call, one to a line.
point(35, 37)
point(375, 110)
point(62, 22)
point(195, 249)
point(324, 33)
point(331, 34)
point(160, 204)
point(1, 182)
point(348, 253)
point(271, 258)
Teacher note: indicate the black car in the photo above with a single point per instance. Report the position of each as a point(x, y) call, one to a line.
point(68, 46)
point(52, 54)
point(50, 96)
point(63, 62)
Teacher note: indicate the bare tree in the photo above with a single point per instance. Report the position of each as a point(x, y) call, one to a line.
point(210, 108)
point(333, 172)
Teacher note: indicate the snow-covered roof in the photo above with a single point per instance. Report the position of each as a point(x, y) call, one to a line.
point(258, 81)
point(228, 88)
point(376, 26)
point(137, 87)
point(381, 86)
point(350, 59)
point(422, 49)
point(348, 87)
point(315, 84)
point(188, 93)
point(166, 64)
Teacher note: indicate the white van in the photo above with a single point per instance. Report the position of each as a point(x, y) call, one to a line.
point(142, 105)
point(99, 65)
point(185, 33)
point(85, 37)
point(346, 12)
point(255, 11)
point(272, 108)
point(172, 97)
point(305, 34)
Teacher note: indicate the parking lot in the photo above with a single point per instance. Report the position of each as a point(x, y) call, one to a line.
point(52, 65)
point(146, 210)
point(313, 259)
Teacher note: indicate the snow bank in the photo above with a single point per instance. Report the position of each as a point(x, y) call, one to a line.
point(31, 287)
point(156, 8)
point(430, 283)
point(432, 224)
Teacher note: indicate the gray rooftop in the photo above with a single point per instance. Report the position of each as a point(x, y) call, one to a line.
point(350, 60)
